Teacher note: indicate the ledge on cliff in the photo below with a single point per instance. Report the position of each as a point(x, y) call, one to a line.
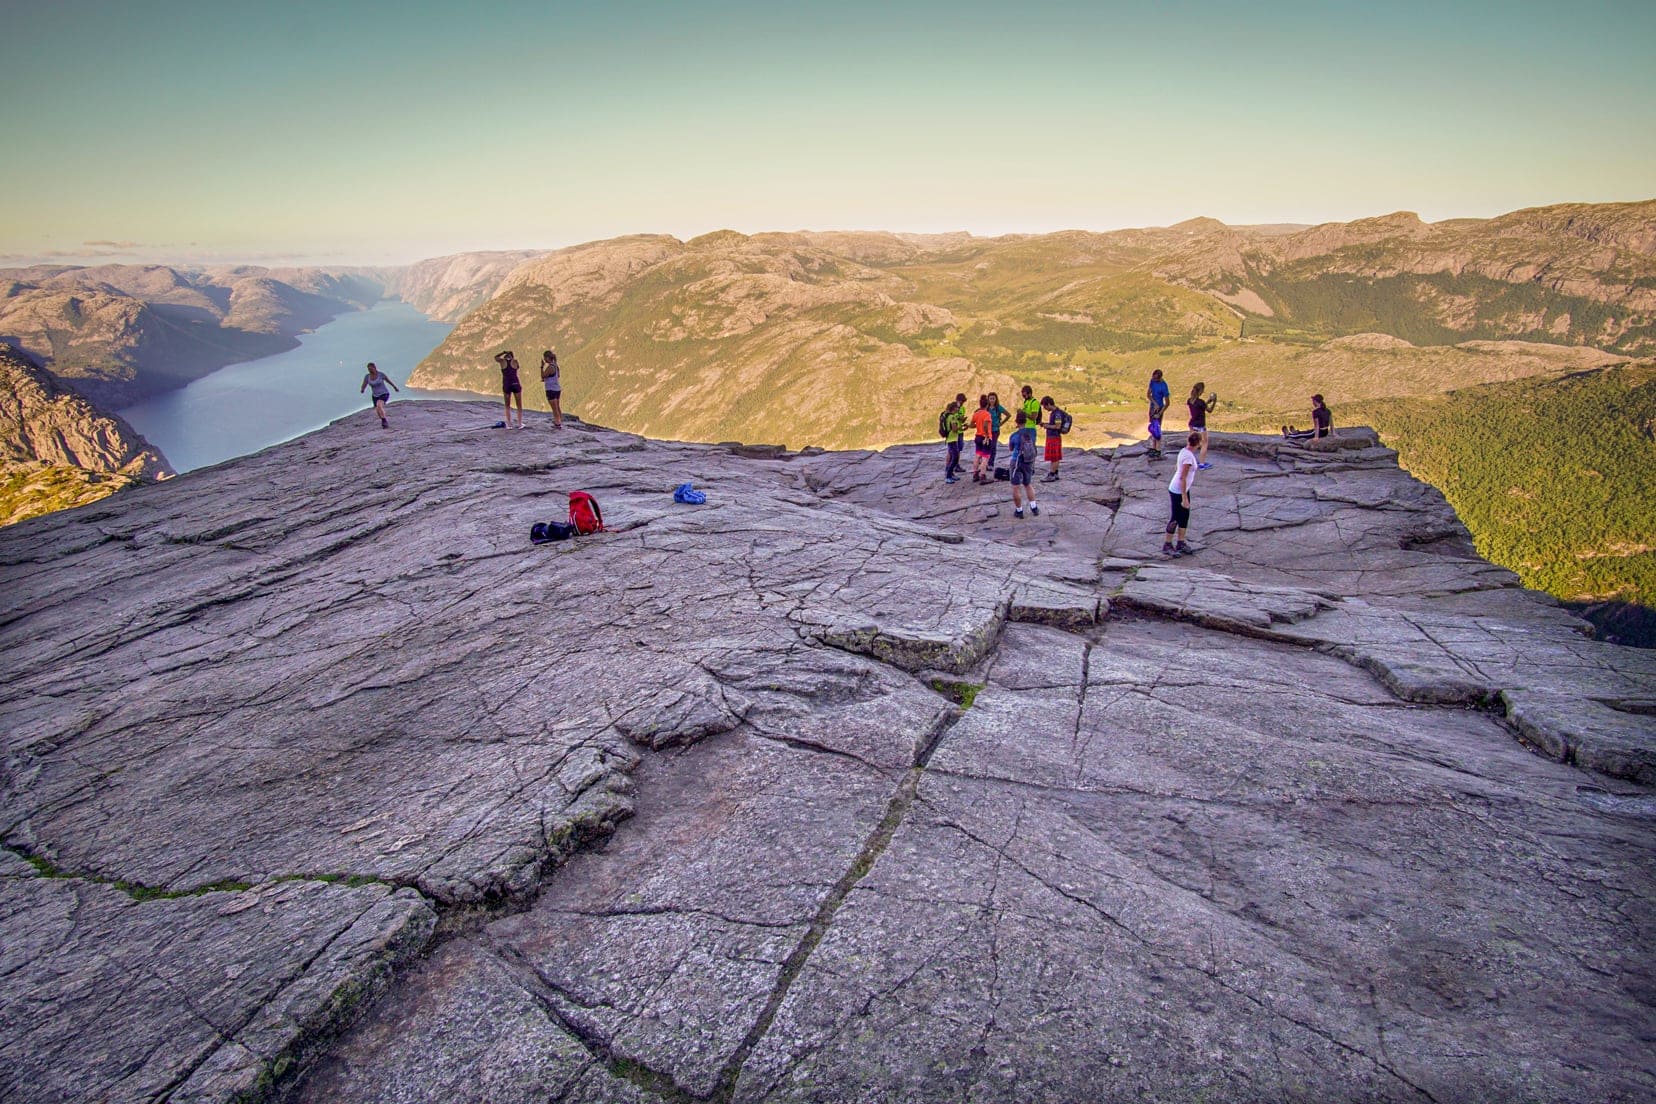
point(845, 785)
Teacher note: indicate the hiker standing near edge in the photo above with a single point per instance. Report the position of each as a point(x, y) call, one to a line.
point(1057, 424)
point(510, 385)
point(954, 426)
point(997, 415)
point(550, 376)
point(378, 380)
point(1178, 492)
point(1159, 395)
point(1199, 408)
point(1021, 453)
point(1322, 421)
point(981, 420)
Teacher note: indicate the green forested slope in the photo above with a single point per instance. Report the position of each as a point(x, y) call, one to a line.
point(1556, 478)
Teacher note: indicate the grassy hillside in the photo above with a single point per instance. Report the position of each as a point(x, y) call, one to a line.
point(1555, 478)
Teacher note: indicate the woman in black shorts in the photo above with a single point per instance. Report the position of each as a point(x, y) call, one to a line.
point(554, 386)
point(510, 385)
point(1199, 407)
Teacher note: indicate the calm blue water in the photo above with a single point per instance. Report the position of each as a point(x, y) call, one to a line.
point(243, 408)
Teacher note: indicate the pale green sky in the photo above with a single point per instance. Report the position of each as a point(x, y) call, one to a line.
point(389, 132)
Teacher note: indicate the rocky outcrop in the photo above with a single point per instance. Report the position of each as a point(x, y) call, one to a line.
point(41, 421)
point(57, 450)
point(446, 288)
point(845, 786)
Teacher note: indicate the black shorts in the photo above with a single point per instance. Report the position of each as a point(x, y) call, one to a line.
point(375, 400)
point(553, 394)
point(1180, 518)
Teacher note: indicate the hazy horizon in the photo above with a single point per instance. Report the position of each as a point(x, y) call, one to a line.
point(112, 253)
point(198, 133)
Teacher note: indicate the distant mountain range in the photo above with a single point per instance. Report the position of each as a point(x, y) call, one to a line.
point(856, 339)
point(853, 339)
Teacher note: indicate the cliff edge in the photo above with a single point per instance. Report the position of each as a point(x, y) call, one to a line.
point(322, 783)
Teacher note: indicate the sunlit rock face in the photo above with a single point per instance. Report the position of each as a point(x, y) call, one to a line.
point(321, 781)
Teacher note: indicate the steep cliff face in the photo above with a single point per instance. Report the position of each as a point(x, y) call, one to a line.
point(446, 288)
point(899, 796)
point(57, 450)
point(1572, 273)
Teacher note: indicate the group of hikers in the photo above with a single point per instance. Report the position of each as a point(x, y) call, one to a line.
point(511, 386)
point(986, 422)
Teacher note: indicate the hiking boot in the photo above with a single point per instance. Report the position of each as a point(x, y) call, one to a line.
point(1184, 549)
point(1050, 477)
point(1168, 549)
point(1018, 513)
point(1203, 467)
point(950, 479)
point(1034, 509)
point(384, 424)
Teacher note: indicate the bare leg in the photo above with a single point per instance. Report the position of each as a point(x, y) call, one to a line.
point(508, 409)
point(518, 395)
point(557, 412)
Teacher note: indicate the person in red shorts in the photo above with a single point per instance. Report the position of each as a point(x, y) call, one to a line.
point(1057, 424)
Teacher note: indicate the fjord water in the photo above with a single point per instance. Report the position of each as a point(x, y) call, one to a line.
point(245, 407)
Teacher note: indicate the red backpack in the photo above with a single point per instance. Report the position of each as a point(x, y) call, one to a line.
point(584, 513)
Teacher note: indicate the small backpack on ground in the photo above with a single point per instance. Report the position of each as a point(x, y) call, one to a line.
point(943, 424)
point(584, 513)
point(1063, 420)
point(1003, 474)
point(544, 531)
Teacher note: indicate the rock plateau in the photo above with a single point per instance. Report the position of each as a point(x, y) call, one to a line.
point(320, 782)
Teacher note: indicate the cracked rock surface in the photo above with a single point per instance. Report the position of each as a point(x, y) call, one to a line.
point(321, 783)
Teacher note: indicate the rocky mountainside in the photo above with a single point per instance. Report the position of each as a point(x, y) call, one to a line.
point(320, 781)
point(120, 333)
point(445, 288)
point(1574, 273)
point(785, 337)
point(57, 450)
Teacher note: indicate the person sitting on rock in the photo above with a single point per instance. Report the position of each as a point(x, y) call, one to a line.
point(379, 381)
point(1021, 449)
point(510, 385)
point(1322, 422)
point(1199, 408)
